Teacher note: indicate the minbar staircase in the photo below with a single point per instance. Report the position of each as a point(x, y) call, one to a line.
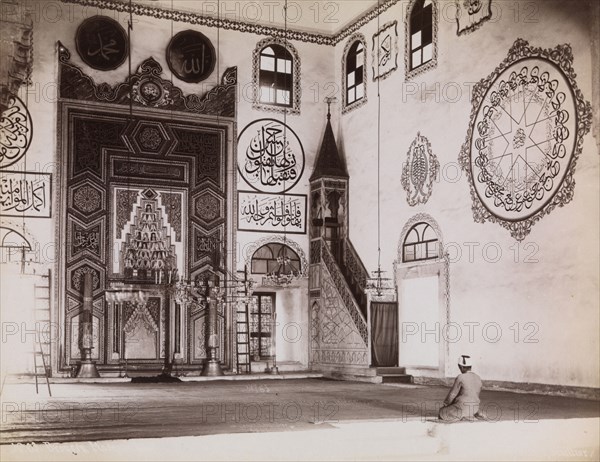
point(356, 277)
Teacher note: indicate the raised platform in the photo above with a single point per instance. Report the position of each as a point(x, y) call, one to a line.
point(28, 379)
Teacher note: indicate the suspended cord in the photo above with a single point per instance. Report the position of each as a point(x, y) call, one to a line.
point(129, 29)
point(285, 42)
point(378, 151)
point(220, 245)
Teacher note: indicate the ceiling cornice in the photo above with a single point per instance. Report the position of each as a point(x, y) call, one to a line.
point(240, 26)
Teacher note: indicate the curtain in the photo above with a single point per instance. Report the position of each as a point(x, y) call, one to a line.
point(384, 333)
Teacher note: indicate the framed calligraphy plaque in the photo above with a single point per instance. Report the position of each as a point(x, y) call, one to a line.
point(101, 43)
point(191, 56)
point(270, 156)
point(385, 51)
point(471, 14)
point(25, 194)
point(272, 213)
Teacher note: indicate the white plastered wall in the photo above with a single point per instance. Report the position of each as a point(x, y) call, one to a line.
point(550, 279)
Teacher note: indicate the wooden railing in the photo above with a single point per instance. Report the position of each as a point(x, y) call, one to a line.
point(344, 290)
point(355, 273)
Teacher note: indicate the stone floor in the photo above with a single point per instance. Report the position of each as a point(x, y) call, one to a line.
point(295, 419)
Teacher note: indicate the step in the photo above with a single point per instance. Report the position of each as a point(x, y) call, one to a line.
point(390, 370)
point(396, 378)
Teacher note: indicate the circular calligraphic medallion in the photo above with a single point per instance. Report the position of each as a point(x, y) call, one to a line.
point(101, 43)
point(16, 130)
point(191, 56)
point(523, 139)
point(270, 156)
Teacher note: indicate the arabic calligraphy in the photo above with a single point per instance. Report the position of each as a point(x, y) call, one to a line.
point(15, 132)
point(101, 43)
point(103, 49)
point(271, 212)
point(207, 244)
point(191, 56)
point(473, 6)
point(470, 14)
point(419, 171)
point(86, 240)
point(25, 194)
point(516, 179)
point(272, 158)
point(269, 159)
point(385, 50)
point(153, 170)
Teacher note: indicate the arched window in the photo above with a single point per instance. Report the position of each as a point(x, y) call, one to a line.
point(276, 76)
point(421, 243)
point(421, 40)
point(275, 258)
point(354, 72)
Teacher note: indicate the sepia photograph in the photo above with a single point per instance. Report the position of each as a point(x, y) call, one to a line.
point(299, 230)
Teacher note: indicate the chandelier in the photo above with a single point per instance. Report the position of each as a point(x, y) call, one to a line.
point(378, 284)
point(284, 274)
point(187, 292)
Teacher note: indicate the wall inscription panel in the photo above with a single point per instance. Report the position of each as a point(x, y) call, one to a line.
point(271, 212)
point(526, 133)
point(25, 194)
point(270, 156)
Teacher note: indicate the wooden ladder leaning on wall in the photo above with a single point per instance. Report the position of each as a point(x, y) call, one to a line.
point(243, 341)
point(43, 330)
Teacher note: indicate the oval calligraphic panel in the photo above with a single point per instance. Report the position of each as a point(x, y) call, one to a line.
point(523, 139)
point(191, 56)
point(101, 43)
point(270, 156)
point(16, 130)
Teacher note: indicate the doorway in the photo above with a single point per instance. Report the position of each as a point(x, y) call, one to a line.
point(261, 312)
point(422, 279)
point(384, 334)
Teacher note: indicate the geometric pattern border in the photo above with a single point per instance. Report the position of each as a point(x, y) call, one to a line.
point(146, 87)
point(240, 26)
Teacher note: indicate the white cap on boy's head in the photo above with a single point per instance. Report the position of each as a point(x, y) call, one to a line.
point(465, 361)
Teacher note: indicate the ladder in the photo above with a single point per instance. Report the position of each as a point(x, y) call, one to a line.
point(43, 331)
point(243, 341)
